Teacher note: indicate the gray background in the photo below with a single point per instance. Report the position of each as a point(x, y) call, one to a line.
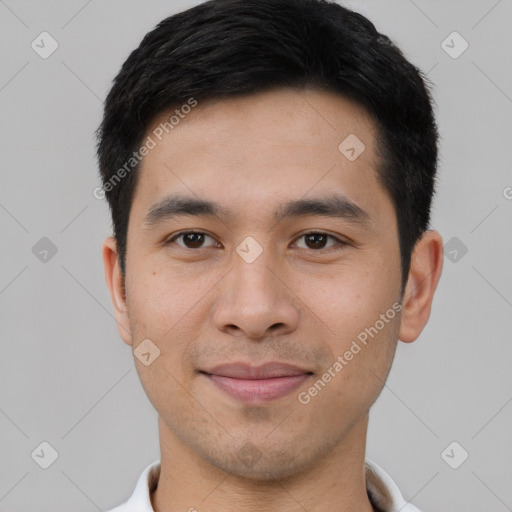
point(67, 378)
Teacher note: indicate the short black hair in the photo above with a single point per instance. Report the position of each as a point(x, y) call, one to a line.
point(225, 48)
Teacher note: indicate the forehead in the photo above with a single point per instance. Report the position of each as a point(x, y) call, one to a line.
point(255, 151)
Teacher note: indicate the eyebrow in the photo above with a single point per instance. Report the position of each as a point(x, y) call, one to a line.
point(334, 205)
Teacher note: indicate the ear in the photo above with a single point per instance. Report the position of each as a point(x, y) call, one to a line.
point(115, 283)
point(424, 274)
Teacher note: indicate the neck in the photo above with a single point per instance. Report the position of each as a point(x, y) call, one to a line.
point(189, 483)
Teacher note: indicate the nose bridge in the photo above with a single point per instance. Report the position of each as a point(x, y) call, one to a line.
point(252, 280)
point(254, 299)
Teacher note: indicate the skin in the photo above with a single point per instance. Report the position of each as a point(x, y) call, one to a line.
point(298, 302)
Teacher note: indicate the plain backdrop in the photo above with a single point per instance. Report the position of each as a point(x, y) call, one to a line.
point(67, 379)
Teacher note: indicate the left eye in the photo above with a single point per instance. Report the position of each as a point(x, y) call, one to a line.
point(317, 241)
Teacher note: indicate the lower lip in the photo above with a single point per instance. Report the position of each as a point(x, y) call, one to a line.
point(258, 390)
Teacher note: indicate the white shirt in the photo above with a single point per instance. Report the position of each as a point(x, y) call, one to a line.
point(383, 492)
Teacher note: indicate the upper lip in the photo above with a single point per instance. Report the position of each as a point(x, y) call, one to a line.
point(264, 371)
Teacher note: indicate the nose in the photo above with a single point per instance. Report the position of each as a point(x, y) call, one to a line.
point(255, 300)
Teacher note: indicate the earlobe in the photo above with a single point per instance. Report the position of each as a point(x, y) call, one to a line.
point(115, 284)
point(424, 275)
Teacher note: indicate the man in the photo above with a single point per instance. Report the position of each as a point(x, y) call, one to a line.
point(270, 167)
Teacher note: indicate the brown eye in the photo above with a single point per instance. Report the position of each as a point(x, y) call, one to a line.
point(191, 239)
point(316, 241)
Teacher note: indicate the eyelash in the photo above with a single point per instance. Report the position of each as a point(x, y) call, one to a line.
point(337, 246)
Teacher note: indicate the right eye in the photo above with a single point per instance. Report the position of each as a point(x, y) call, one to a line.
point(191, 239)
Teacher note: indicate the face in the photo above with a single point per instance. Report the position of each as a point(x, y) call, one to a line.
point(294, 261)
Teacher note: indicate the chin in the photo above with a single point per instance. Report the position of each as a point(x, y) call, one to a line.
point(252, 463)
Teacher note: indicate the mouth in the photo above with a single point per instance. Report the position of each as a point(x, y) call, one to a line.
point(257, 385)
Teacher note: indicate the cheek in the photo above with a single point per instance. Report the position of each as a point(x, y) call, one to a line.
point(159, 298)
point(356, 310)
point(163, 314)
point(169, 309)
point(348, 298)
point(353, 380)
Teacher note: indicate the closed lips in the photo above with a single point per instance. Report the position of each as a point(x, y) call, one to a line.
point(248, 372)
point(257, 385)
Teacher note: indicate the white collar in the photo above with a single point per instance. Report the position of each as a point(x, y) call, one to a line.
point(383, 492)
